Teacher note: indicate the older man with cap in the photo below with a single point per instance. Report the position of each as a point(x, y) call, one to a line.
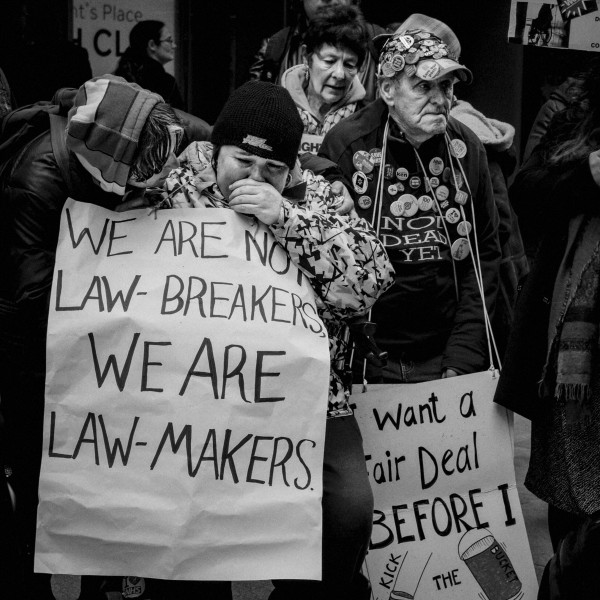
point(422, 179)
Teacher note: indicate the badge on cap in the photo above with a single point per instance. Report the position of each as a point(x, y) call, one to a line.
point(460, 248)
point(412, 57)
point(410, 70)
point(362, 161)
point(452, 215)
point(387, 70)
point(436, 165)
point(428, 70)
point(458, 148)
point(402, 174)
point(461, 197)
point(464, 228)
point(397, 208)
point(365, 202)
point(360, 182)
point(397, 62)
point(442, 192)
point(407, 41)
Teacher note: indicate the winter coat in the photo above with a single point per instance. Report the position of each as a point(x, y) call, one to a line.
point(295, 81)
point(420, 316)
point(497, 139)
point(345, 262)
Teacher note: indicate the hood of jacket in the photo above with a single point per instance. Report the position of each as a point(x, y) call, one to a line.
point(491, 132)
point(104, 126)
point(295, 81)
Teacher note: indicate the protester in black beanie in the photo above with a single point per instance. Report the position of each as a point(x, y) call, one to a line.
point(262, 119)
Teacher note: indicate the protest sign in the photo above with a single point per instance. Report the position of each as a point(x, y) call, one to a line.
point(102, 28)
point(447, 522)
point(571, 24)
point(186, 396)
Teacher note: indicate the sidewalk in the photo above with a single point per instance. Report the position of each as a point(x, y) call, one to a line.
point(534, 513)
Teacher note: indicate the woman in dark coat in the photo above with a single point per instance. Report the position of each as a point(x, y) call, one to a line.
point(151, 46)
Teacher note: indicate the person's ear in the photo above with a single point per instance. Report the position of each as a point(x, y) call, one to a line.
point(387, 88)
point(152, 47)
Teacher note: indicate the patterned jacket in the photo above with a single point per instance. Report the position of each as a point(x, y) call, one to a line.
point(345, 262)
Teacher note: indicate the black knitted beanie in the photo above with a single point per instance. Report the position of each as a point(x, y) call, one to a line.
point(262, 119)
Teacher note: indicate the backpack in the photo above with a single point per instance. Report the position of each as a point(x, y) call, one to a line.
point(22, 126)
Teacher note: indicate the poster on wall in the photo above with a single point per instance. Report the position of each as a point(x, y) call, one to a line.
point(447, 520)
point(102, 28)
point(569, 24)
point(186, 392)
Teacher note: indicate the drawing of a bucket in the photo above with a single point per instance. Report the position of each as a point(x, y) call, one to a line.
point(489, 563)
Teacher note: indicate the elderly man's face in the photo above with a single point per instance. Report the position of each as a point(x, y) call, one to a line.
point(419, 107)
point(235, 164)
point(312, 7)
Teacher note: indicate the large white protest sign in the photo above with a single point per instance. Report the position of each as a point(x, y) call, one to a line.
point(570, 24)
point(447, 523)
point(186, 396)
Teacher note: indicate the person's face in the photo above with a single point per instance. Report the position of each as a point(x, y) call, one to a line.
point(164, 50)
point(331, 72)
point(312, 7)
point(419, 107)
point(235, 164)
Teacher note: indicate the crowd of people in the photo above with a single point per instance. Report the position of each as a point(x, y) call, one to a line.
point(457, 270)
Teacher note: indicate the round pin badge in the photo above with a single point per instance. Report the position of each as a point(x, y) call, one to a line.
point(400, 186)
point(388, 172)
point(402, 174)
point(425, 203)
point(409, 205)
point(411, 57)
point(392, 189)
point(458, 148)
point(397, 62)
point(375, 155)
point(387, 70)
point(362, 161)
point(428, 70)
point(452, 215)
point(461, 197)
point(397, 208)
point(365, 202)
point(410, 70)
point(414, 182)
point(407, 41)
point(436, 165)
point(434, 181)
point(360, 182)
point(464, 228)
point(442, 192)
point(428, 42)
point(446, 174)
point(460, 248)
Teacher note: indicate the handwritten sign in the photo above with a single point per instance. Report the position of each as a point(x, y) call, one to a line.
point(102, 28)
point(186, 396)
point(447, 521)
point(570, 24)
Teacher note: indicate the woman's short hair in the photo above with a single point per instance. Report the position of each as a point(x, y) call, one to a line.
point(142, 33)
point(339, 26)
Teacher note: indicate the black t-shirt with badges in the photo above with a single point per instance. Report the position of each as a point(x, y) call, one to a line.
point(425, 218)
